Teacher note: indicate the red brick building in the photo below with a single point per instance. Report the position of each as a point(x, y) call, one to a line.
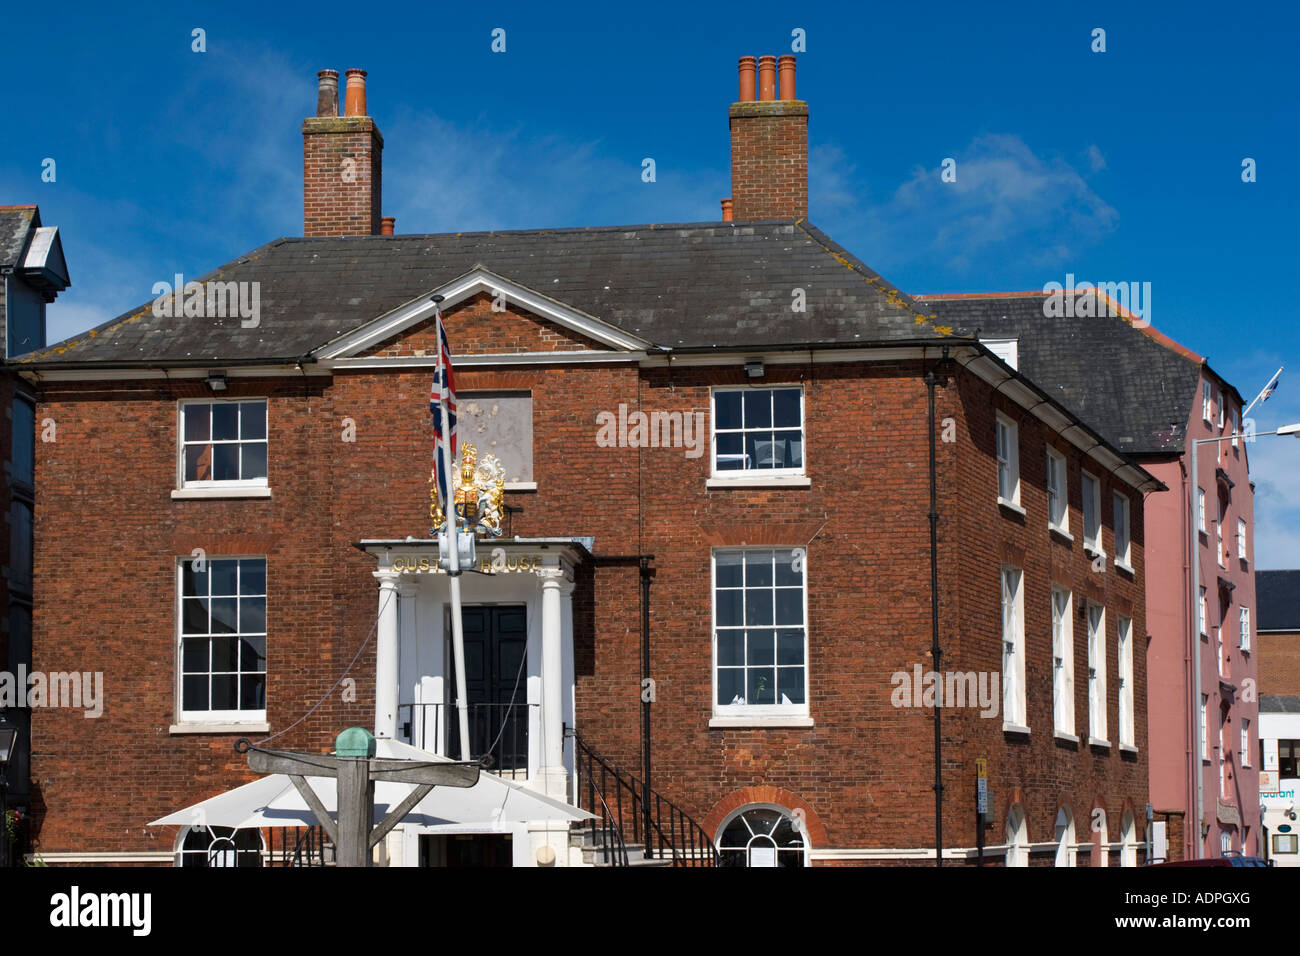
point(720, 430)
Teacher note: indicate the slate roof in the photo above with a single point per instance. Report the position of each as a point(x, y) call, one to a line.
point(16, 223)
point(1277, 600)
point(681, 286)
point(1128, 384)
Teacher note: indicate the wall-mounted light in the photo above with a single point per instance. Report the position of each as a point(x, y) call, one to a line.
point(754, 369)
point(217, 381)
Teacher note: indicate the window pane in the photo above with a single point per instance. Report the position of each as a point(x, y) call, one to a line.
point(24, 441)
point(252, 692)
point(225, 421)
point(225, 692)
point(790, 685)
point(194, 616)
point(762, 685)
point(794, 452)
point(758, 569)
point(726, 410)
point(789, 646)
point(252, 420)
point(254, 464)
point(731, 646)
point(789, 605)
point(224, 579)
point(760, 647)
point(194, 655)
point(252, 576)
point(225, 462)
point(225, 615)
point(225, 654)
point(785, 410)
point(786, 575)
point(731, 685)
point(758, 607)
point(194, 692)
point(729, 608)
point(758, 409)
point(731, 452)
point(728, 565)
point(196, 417)
point(252, 615)
point(193, 582)
point(198, 462)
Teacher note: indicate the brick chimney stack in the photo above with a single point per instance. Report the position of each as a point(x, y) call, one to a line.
point(342, 162)
point(769, 143)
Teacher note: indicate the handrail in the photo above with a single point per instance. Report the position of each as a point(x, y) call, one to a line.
point(675, 835)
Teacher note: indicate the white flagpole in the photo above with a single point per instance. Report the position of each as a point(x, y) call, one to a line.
point(1262, 391)
point(453, 555)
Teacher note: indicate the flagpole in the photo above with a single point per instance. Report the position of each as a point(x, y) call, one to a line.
point(1262, 391)
point(453, 552)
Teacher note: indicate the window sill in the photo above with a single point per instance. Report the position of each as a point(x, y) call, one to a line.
point(257, 491)
point(761, 721)
point(1062, 735)
point(1061, 533)
point(195, 727)
point(521, 486)
point(1128, 748)
point(1010, 728)
point(1125, 567)
point(773, 481)
point(1098, 742)
point(1010, 506)
point(1093, 550)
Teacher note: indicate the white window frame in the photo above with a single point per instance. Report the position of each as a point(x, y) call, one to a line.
point(1243, 631)
point(1245, 742)
point(1092, 543)
point(1203, 613)
point(1014, 711)
point(1219, 397)
point(1008, 461)
point(1063, 661)
point(1016, 834)
point(1223, 754)
point(199, 488)
point(1218, 533)
point(1241, 539)
point(216, 717)
point(1121, 507)
point(1200, 510)
point(1097, 674)
point(1058, 492)
point(1205, 728)
point(1124, 665)
point(1205, 403)
point(1236, 426)
point(747, 713)
point(750, 475)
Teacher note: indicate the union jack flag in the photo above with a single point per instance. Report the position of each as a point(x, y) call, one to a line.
point(443, 390)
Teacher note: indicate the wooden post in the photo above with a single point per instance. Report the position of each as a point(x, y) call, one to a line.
point(356, 811)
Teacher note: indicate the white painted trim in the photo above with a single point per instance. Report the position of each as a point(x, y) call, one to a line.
point(458, 290)
point(258, 491)
point(1011, 506)
point(74, 856)
point(774, 481)
point(1130, 749)
point(521, 486)
point(574, 357)
point(1010, 728)
point(792, 356)
point(110, 374)
point(1098, 742)
point(1062, 735)
point(761, 722)
point(197, 727)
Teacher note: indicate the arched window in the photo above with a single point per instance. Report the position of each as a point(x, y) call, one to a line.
point(1065, 852)
point(219, 847)
point(1101, 845)
point(762, 836)
point(1017, 838)
point(1128, 854)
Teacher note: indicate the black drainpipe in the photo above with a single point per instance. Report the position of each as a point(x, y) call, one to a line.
point(936, 652)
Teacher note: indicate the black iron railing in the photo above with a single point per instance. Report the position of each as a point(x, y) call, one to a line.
point(298, 846)
point(497, 731)
point(618, 799)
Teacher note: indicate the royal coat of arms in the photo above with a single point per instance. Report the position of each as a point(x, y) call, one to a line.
point(478, 489)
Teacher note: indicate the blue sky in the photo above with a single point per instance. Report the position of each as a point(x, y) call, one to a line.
point(1115, 166)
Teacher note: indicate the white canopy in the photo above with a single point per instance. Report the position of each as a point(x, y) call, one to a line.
point(273, 801)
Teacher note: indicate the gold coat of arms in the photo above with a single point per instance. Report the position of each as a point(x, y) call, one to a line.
point(478, 490)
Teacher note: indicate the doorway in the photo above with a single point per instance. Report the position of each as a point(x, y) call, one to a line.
point(496, 646)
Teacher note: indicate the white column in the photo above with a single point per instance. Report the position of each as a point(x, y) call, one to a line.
point(386, 644)
point(554, 779)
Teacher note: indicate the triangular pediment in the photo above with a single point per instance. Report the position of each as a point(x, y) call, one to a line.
point(560, 326)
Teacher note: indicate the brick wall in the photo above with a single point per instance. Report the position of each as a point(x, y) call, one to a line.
point(342, 173)
point(769, 159)
point(1278, 660)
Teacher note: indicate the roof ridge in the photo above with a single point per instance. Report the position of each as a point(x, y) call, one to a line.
point(710, 224)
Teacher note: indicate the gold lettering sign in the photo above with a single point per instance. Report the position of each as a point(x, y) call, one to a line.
point(497, 563)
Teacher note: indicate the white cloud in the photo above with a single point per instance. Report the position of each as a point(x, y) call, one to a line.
point(1095, 159)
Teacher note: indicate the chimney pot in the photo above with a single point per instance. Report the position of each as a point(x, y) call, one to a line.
point(747, 64)
point(727, 213)
point(786, 68)
point(355, 102)
point(766, 78)
point(387, 223)
point(327, 93)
